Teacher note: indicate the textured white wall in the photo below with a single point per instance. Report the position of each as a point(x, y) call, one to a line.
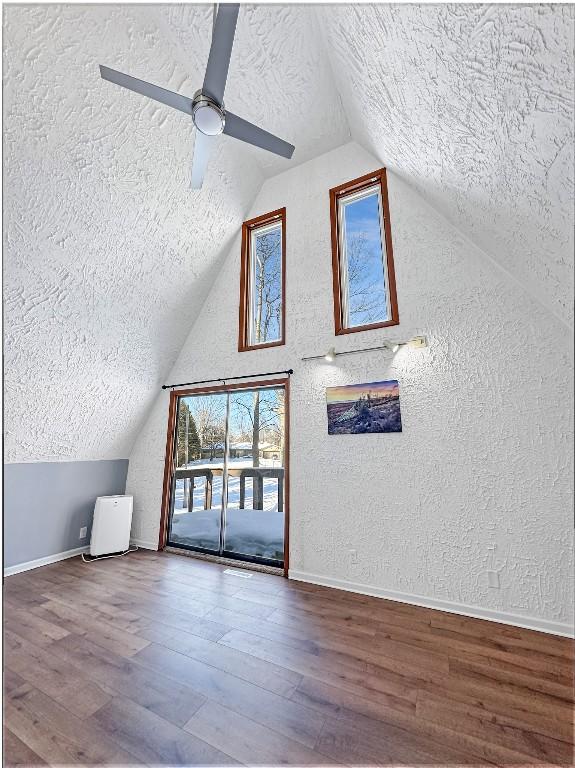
point(473, 105)
point(479, 478)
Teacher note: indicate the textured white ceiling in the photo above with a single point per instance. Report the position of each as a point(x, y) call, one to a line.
point(279, 78)
point(109, 254)
point(472, 105)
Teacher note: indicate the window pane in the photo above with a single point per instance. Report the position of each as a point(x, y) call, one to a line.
point(199, 466)
point(255, 508)
point(266, 284)
point(363, 272)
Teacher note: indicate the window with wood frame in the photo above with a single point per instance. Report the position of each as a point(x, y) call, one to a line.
point(364, 294)
point(262, 282)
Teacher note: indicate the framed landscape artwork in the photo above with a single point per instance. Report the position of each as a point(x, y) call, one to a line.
point(360, 408)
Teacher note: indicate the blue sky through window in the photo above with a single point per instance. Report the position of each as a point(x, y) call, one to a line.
point(366, 279)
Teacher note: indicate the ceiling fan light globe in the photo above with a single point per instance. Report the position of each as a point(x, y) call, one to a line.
point(209, 119)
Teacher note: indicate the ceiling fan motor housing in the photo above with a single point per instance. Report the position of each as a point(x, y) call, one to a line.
point(208, 117)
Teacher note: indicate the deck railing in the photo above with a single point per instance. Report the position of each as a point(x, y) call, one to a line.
point(257, 474)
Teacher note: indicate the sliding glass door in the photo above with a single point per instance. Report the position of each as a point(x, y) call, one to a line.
point(199, 462)
point(228, 482)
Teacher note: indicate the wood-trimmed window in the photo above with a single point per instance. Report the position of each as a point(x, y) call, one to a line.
point(364, 294)
point(262, 282)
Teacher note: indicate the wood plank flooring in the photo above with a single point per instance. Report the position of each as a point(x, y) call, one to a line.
point(159, 659)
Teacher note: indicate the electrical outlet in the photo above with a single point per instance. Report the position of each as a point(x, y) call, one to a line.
point(493, 579)
point(83, 532)
point(353, 556)
point(418, 342)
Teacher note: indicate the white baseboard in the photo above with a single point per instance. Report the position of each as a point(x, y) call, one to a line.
point(31, 564)
point(144, 544)
point(526, 622)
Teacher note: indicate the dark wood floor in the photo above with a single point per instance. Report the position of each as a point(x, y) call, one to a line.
point(161, 659)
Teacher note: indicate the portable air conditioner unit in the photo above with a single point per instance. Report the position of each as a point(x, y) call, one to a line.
point(111, 526)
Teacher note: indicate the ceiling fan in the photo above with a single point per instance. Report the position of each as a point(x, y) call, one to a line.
point(207, 107)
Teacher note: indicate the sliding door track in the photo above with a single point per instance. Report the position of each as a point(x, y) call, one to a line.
point(232, 562)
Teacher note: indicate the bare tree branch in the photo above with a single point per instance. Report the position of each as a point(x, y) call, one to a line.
point(366, 297)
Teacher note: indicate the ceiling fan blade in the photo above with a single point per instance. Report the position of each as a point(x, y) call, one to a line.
point(171, 99)
point(241, 129)
point(202, 149)
point(220, 51)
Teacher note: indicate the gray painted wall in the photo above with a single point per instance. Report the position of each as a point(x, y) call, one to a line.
point(46, 504)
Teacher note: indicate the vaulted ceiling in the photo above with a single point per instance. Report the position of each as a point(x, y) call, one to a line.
point(473, 106)
point(108, 252)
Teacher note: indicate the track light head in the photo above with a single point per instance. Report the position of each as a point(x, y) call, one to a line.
point(330, 355)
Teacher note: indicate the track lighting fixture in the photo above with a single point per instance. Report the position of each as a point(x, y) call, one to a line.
point(391, 346)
